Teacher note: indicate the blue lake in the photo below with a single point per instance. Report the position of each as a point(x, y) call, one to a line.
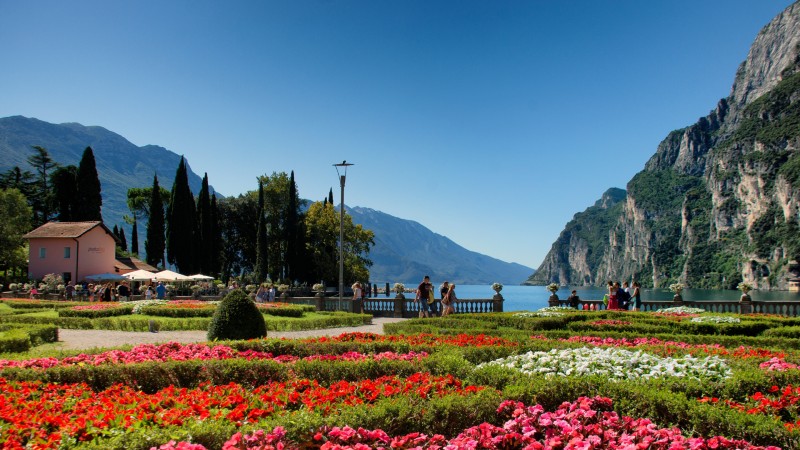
point(531, 298)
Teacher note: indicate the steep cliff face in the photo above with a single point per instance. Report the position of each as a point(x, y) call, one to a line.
point(718, 202)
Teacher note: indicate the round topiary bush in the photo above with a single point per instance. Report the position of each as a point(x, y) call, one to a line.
point(237, 317)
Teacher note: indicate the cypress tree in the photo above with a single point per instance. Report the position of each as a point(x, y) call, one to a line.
point(123, 242)
point(261, 268)
point(89, 202)
point(154, 238)
point(181, 223)
point(330, 197)
point(204, 228)
point(292, 231)
point(65, 184)
point(135, 237)
point(216, 238)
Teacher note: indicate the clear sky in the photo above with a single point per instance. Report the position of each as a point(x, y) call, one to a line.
point(489, 122)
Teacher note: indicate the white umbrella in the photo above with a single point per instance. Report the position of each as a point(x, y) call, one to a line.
point(200, 277)
point(108, 276)
point(168, 275)
point(139, 275)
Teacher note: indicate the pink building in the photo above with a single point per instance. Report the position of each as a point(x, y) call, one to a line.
point(72, 249)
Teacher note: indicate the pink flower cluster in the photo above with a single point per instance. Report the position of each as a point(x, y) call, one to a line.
point(598, 323)
point(587, 423)
point(96, 307)
point(174, 351)
point(777, 364)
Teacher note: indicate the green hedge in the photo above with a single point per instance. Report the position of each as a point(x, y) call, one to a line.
point(40, 304)
point(16, 338)
point(176, 312)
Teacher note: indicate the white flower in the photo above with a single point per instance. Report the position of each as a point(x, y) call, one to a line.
point(715, 319)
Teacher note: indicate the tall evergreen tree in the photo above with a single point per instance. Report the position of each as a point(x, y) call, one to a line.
point(89, 201)
point(65, 191)
point(216, 238)
point(204, 228)
point(123, 241)
point(41, 195)
point(292, 231)
point(135, 237)
point(154, 243)
point(181, 223)
point(261, 269)
point(330, 197)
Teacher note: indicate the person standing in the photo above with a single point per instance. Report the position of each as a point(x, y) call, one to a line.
point(148, 293)
point(161, 291)
point(271, 293)
point(107, 292)
point(612, 295)
point(423, 294)
point(357, 291)
point(69, 291)
point(124, 292)
point(261, 294)
point(637, 297)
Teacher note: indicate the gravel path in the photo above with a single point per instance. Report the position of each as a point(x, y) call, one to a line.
point(88, 339)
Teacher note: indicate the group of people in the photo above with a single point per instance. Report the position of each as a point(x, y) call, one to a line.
point(426, 298)
point(265, 293)
point(619, 297)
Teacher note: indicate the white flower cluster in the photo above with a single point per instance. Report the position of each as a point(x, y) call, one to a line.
point(139, 304)
point(614, 363)
point(538, 314)
point(681, 310)
point(715, 319)
point(556, 309)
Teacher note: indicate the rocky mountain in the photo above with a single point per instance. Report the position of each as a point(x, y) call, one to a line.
point(120, 164)
point(405, 251)
point(718, 202)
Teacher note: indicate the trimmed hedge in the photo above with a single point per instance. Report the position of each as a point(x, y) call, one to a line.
point(122, 310)
point(20, 338)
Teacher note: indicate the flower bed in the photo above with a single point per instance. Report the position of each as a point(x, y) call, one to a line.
point(94, 310)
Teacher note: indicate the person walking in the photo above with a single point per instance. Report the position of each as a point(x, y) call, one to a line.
point(449, 300)
point(423, 294)
point(442, 294)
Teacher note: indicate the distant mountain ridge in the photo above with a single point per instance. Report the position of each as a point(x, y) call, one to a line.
point(404, 250)
point(120, 164)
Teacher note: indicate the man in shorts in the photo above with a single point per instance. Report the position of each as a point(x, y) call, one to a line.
point(423, 293)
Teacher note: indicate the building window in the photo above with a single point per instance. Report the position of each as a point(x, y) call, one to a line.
point(67, 251)
point(42, 253)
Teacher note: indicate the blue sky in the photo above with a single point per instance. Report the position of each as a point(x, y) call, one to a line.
point(489, 122)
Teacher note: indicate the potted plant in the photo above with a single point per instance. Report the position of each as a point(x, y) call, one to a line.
point(284, 290)
point(196, 288)
point(677, 289)
point(745, 288)
point(319, 289)
point(399, 289)
point(553, 288)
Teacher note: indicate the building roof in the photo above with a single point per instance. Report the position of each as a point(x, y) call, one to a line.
point(66, 230)
point(131, 263)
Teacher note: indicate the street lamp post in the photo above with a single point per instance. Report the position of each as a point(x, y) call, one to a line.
point(342, 177)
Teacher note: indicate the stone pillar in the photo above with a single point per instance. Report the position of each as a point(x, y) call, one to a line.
point(497, 302)
point(745, 304)
point(319, 299)
point(553, 300)
point(677, 300)
point(399, 305)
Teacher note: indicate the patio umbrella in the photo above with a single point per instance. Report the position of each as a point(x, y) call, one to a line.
point(108, 276)
point(200, 277)
point(168, 275)
point(139, 275)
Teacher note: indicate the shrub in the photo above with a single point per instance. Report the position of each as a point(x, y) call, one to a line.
point(237, 317)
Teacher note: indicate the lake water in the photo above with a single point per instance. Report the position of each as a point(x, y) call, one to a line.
point(531, 298)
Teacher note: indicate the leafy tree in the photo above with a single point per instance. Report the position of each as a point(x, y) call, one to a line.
point(238, 220)
point(205, 227)
point(139, 200)
point(15, 221)
point(154, 243)
point(41, 195)
point(89, 200)
point(322, 236)
point(16, 178)
point(65, 192)
point(181, 223)
point(262, 258)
